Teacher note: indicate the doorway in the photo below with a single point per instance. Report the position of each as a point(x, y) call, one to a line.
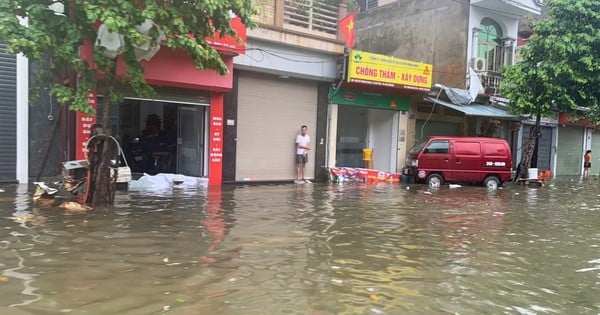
point(361, 127)
point(163, 137)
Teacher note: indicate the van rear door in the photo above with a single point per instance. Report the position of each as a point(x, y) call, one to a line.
point(497, 158)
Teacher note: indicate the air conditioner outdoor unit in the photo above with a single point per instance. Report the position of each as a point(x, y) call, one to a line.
point(478, 64)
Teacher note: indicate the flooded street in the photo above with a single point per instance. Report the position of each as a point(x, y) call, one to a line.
point(307, 249)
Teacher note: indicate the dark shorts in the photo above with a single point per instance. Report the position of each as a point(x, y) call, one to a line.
point(301, 158)
point(587, 165)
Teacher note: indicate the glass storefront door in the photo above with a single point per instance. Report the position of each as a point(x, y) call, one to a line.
point(190, 141)
point(361, 128)
point(352, 128)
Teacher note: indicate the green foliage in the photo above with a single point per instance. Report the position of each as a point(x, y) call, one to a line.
point(560, 67)
point(58, 37)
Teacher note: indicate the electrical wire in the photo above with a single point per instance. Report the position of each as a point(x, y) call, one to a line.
point(431, 113)
point(265, 51)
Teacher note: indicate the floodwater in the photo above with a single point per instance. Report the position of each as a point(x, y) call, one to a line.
point(307, 249)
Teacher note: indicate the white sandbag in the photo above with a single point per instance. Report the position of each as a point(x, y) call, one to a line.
point(167, 181)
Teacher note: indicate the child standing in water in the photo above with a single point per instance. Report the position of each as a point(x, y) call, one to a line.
point(587, 163)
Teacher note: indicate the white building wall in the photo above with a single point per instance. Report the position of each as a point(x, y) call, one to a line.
point(22, 119)
point(509, 25)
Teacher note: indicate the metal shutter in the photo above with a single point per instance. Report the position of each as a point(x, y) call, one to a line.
point(570, 151)
point(270, 113)
point(8, 115)
point(544, 152)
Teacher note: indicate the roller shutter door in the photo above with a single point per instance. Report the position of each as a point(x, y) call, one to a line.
point(8, 115)
point(544, 151)
point(570, 151)
point(270, 113)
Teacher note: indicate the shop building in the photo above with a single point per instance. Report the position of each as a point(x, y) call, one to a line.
point(575, 136)
point(181, 130)
point(468, 44)
point(280, 84)
point(368, 116)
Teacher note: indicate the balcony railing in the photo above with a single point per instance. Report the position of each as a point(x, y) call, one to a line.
point(311, 16)
point(490, 81)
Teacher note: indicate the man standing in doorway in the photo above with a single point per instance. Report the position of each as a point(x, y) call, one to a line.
point(302, 142)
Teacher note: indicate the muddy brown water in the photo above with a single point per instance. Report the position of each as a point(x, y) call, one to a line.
point(307, 249)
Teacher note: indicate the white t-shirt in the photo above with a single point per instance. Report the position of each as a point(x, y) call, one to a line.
point(303, 141)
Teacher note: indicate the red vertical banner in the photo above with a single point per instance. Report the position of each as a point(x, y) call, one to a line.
point(215, 143)
point(84, 126)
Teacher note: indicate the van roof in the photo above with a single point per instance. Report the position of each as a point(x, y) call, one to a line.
point(467, 138)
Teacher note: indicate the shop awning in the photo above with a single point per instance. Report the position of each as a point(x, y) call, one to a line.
point(475, 109)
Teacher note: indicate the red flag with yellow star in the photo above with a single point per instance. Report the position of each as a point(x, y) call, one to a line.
point(346, 26)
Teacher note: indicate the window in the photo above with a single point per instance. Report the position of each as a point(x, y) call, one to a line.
point(417, 148)
point(437, 146)
point(366, 5)
point(490, 45)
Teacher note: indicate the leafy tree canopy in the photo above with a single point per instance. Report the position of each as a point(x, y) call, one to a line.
point(560, 67)
point(57, 35)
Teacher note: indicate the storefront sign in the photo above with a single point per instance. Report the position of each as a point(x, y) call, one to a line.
point(84, 126)
point(374, 69)
point(368, 99)
point(235, 45)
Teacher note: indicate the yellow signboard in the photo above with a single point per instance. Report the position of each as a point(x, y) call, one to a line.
point(368, 68)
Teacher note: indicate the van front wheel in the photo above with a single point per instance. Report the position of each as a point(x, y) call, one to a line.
point(491, 182)
point(435, 180)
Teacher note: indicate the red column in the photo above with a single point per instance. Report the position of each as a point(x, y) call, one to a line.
point(215, 143)
point(83, 126)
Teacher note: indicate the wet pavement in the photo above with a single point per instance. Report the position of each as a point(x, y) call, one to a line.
point(318, 248)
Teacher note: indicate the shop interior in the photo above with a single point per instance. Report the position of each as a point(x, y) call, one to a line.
point(361, 128)
point(162, 137)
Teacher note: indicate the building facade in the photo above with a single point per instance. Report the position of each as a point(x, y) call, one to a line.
point(180, 131)
point(467, 44)
point(368, 111)
point(281, 83)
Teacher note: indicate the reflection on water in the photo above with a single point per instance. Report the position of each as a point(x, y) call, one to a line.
point(307, 249)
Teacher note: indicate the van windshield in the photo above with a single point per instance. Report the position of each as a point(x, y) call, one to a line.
point(417, 148)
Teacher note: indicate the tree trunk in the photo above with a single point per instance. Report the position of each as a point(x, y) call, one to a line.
point(104, 184)
point(525, 164)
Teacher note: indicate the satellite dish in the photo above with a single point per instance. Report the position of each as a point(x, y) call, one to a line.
point(111, 43)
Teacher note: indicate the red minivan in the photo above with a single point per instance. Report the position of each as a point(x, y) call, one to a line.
point(476, 160)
